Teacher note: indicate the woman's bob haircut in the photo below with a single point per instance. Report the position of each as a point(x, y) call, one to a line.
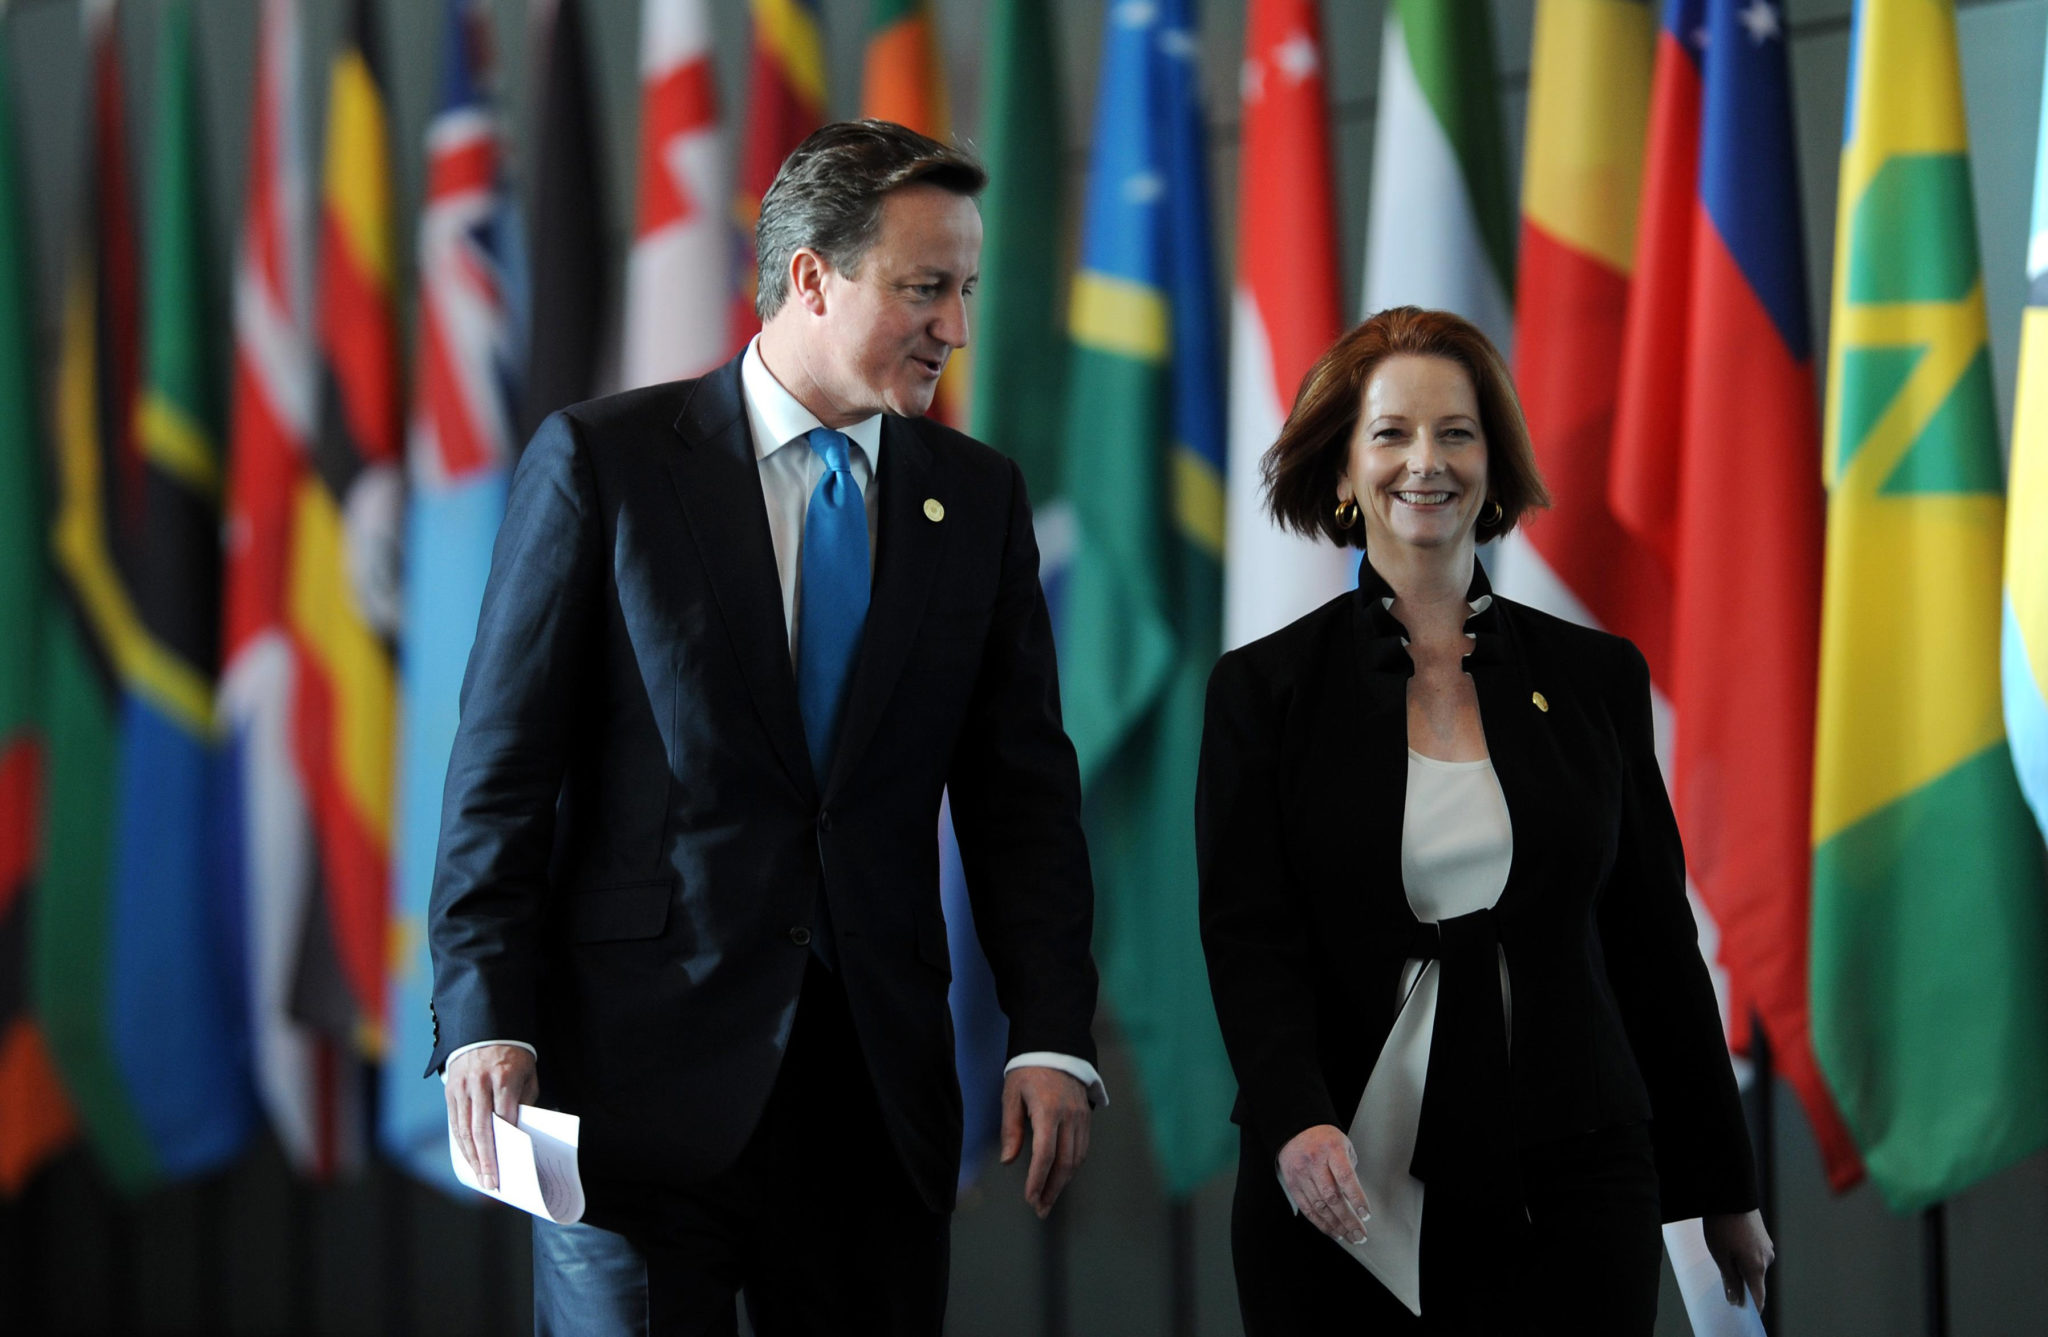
point(1301, 469)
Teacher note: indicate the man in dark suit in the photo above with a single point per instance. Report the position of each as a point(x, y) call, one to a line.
point(688, 849)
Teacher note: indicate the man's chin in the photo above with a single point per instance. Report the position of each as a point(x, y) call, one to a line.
point(912, 401)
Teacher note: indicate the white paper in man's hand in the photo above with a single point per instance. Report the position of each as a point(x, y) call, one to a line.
point(1699, 1282)
point(536, 1164)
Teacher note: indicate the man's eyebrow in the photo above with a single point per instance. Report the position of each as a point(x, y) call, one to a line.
point(938, 272)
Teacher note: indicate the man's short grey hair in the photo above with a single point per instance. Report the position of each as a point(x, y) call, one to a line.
point(828, 196)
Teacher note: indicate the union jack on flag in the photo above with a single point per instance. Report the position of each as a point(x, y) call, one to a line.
point(458, 458)
point(471, 265)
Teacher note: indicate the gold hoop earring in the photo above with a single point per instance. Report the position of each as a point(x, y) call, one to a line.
point(1347, 513)
point(1495, 518)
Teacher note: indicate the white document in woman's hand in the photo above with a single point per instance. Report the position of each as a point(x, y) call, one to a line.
point(536, 1164)
point(1699, 1282)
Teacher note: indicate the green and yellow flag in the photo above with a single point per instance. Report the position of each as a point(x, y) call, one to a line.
point(36, 1119)
point(1140, 611)
point(100, 640)
point(1930, 916)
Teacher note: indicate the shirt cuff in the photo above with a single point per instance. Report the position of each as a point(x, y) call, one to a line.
point(1080, 1069)
point(458, 1053)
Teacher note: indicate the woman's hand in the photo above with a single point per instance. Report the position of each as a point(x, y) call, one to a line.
point(1316, 1165)
point(1742, 1248)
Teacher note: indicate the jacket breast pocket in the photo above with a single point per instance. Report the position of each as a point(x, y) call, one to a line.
point(622, 913)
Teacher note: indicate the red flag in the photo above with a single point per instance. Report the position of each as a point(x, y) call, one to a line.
point(1719, 305)
point(1589, 87)
point(785, 102)
point(1284, 313)
point(309, 1089)
point(678, 277)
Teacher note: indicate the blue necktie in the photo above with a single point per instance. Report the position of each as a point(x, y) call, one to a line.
point(832, 609)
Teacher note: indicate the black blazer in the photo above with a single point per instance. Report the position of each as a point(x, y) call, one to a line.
point(633, 843)
point(1306, 923)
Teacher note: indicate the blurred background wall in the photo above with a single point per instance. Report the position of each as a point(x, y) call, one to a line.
point(254, 1250)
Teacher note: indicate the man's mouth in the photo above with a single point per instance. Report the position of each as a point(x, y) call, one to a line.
point(932, 366)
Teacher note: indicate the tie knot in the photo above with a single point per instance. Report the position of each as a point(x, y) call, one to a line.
point(835, 448)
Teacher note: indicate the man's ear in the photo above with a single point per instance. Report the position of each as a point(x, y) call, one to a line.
point(807, 271)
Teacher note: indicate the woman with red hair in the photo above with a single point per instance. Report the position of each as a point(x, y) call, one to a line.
point(1443, 903)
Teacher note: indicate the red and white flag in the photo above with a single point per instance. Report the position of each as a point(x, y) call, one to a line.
point(310, 1090)
point(679, 275)
point(1285, 310)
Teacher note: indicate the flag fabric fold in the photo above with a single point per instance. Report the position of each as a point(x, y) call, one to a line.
point(1442, 231)
point(1017, 405)
point(1019, 391)
point(1143, 618)
point(36, 1118)
point(679, 273)
point(902, 80)
point(1284, 311)
point(1719, 300)
point(309, 1089)
point(785, 102)
point(467, 359)
point(1930, 921)
point(343, 595)
point(178, 1003)
point(1589, 95)
point(572, 354)
point(1582, 176)
point(2025, 632)
point(97, 495)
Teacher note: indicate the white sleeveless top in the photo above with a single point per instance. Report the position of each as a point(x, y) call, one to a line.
point(1456, 847)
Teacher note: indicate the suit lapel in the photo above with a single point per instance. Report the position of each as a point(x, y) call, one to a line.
point(1381, 720)
point(1518, 738)
point(718, 483)
point(906, 560)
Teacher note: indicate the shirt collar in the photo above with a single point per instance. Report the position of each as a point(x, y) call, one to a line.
point(1388, 646)
point(777, 418)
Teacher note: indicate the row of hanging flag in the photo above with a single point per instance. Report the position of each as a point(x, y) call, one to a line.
point(1824, 595)
point(220, 770)
point(236, 597)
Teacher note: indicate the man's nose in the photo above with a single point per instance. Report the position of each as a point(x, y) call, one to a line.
point(950, 325)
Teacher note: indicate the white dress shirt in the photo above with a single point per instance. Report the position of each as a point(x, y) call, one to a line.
point(790, 470)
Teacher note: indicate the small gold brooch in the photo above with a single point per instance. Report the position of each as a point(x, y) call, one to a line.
point(933, 511)
point(1541, 704)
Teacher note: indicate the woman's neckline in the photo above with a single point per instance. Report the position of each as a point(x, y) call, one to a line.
point(1439, 762)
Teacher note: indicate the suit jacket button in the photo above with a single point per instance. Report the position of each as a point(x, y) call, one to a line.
point(800, 935)
point(824, 819)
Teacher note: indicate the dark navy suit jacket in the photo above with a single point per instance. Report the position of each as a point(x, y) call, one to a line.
point(633, 844)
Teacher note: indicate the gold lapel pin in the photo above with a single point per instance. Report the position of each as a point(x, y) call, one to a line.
point(933, 511)
point(1541, 704)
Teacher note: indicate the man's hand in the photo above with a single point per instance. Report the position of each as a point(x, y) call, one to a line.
point(490, 1079)
point(1056, 1106)
point(1317, 1167)
point(1742, 1247)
